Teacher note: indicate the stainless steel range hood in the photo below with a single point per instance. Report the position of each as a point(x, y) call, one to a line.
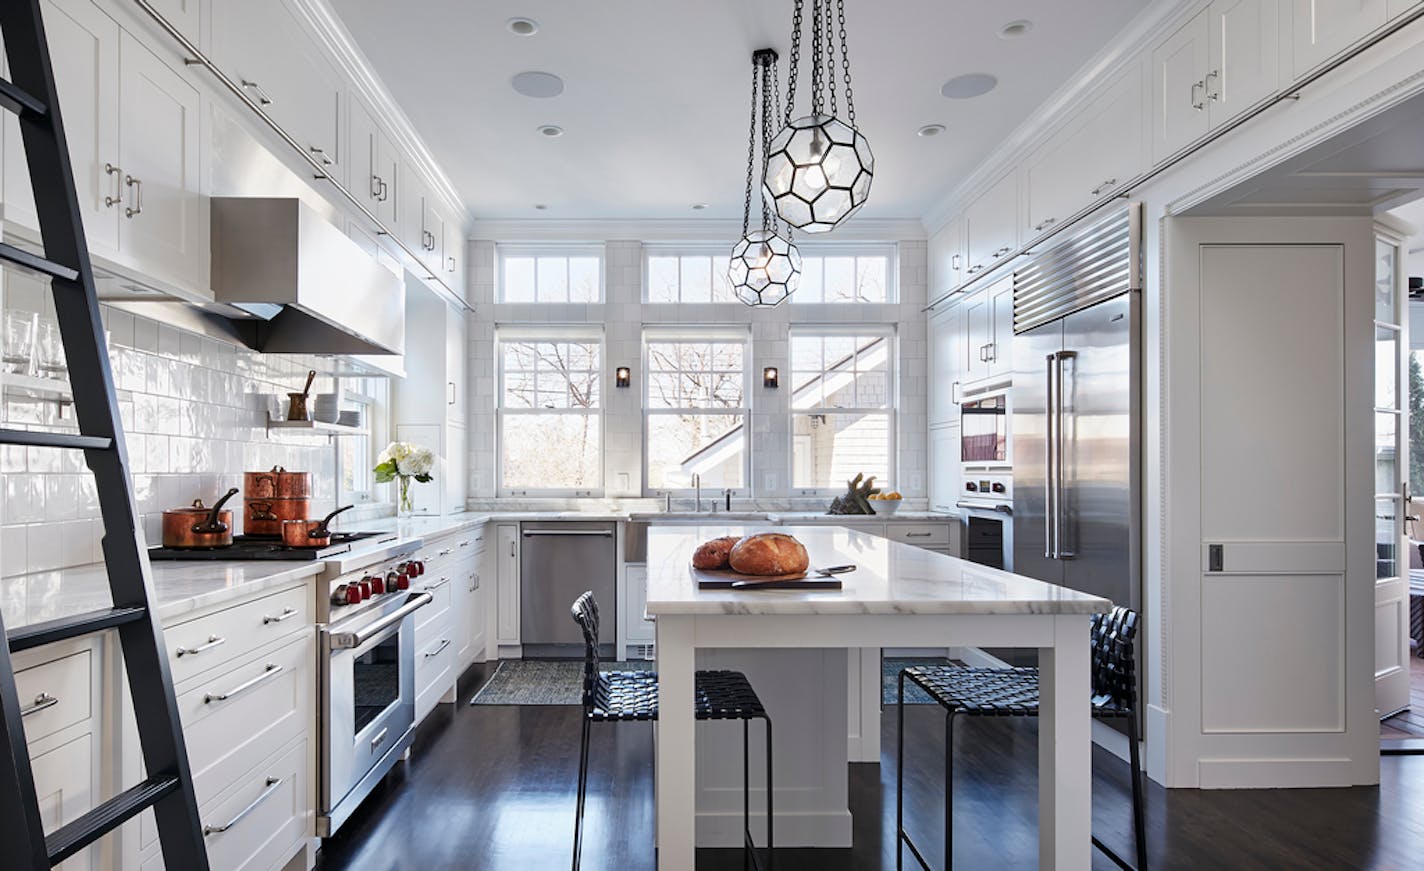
point(296, 284)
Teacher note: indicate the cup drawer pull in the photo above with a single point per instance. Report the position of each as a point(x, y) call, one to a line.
point(272, 784)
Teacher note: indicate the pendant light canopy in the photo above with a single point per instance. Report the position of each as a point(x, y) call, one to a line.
point(819, 167)
point(765, 267)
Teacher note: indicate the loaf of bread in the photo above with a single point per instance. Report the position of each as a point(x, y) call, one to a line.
point(769, 553)
point(713, 554)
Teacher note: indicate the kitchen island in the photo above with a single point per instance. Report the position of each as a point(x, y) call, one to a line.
point(899, 595)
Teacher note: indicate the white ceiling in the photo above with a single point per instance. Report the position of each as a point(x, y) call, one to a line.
point(657, 93)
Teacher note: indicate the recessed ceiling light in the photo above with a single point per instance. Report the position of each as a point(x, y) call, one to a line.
point(1015, 29)
point(537, 84)
point(551, 130)
point(541, 206)
point(930, 130)
point(697, 207)
point(522, 26)
point(968, 85)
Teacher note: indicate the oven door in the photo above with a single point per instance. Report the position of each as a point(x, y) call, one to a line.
point(988, 534)
point(984, 429)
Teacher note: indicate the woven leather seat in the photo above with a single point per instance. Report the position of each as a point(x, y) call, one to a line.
point(1014, 692)
point(632, 696)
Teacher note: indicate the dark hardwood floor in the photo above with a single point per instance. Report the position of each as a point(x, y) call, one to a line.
point(1410, 723)
point(493, 788)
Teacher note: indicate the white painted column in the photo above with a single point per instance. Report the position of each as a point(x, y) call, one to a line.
point(1065, 777)
point(676, 762)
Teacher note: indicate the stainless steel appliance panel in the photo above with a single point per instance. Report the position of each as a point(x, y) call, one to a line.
point(1034, 363)
point(558, 561)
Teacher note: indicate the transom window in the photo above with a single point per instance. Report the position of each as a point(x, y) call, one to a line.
point(550, 426)
point(842, 407)
point(845, 276)
point(698, 275)
point(696, 415)
point(548, 275)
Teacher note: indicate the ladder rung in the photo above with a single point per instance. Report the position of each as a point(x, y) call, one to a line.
point(41, 439)
point(36, 263)
point(85, 830)
point(18, 100)
point(50, 631)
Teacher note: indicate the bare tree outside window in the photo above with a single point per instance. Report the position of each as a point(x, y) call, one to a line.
point(696, 414)
point(844, 278)
point(550, 427)
point(842, 419)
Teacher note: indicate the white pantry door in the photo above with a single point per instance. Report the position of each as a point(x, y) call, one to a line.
point(1391, 457)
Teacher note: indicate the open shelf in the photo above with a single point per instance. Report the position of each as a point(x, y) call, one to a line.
point(330, 429)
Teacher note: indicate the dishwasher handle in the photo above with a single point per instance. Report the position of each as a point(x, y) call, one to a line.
point(594, 533)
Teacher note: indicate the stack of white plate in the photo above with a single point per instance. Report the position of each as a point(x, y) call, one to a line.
point(327, 407)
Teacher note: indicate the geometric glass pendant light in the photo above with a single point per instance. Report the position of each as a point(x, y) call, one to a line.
point(765, 266)
point(819, 167)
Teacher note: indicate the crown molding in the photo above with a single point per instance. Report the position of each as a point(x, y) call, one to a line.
point(1124, 49)
point(331, 30)
point(679, 230)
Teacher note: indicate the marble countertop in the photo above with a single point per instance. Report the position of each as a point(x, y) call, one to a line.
point(891, 578)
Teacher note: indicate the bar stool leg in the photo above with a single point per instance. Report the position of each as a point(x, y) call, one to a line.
point(949, 791)
point(770, 839)
point(900, 775)
point(746, 795)
point(582, 789)
point(1139, 822)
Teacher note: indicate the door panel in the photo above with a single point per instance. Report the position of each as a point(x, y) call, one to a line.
point(1179, 66)
point(1029, 404)
point(1245, 35)
point(1391, 471)
point(1323, 27)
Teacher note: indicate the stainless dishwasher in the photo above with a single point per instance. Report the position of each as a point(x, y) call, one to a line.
point(559, 560)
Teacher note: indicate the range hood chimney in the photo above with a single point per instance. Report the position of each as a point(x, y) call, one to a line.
point(295, 284)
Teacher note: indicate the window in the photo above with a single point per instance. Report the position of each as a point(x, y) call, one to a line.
point(842, 408)
point(355, 455)
point(688, 276)
point(568, 275)
point(828, 275)
point(550, 430)
point(696, 411)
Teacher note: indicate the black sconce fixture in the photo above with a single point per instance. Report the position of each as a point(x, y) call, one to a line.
point(622, 377)
point(770, 378)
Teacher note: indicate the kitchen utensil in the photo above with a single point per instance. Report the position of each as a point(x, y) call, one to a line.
point(310, 533)
point(266, 516)
point(19, 350)
point(276, 484)
point(814, 584)
point(834, 570)
point(49, 352)
point(297, 407)
point(327, 407)
point(199, 526)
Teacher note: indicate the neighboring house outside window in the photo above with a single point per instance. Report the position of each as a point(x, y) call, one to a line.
point(550, 426)
point(564, 274)
point(842, 406)
point(695, 409)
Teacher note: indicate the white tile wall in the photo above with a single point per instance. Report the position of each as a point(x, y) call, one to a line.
point(623, 316)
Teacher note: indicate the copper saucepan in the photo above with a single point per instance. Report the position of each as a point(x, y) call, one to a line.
point(199, 526)
point(276, 484)
point(310, 533)
point(266, 516)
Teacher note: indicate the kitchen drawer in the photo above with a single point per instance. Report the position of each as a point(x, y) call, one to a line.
point(434, 671)
point(920, 534)
point(64, 783)
point(221, 637)
point(225, 738)
point(438, 611)
point(59, 693)
point(266, 816)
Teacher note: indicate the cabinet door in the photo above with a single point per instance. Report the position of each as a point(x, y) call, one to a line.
point(946, 258)
point(991, 224)
point(640, 630)
point(412, 210)
point(1001, 312)
point(978, 335)
point(1399, 7)
point(456, 387)
point(1179, 68)
point(365, 178)
point(432, 238)
point(1244, 42)
point(1055, 178)
point(1322, 28)
point(944, 467)
point(84, 43)
point(507, 559)
point(464, 587)
point(64, 782)
point(387, 172)
point(946, 365)
point(454, 256)
point(165, 225)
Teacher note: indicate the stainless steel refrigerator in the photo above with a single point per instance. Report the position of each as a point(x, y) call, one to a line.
point(1076, 412)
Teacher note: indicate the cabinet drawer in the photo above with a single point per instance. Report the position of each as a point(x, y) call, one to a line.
point(64, 783)
point(56, 694)
point(263, 818)
point(440, 588)
point(434, 672)
point(268, 704)
point(211, 641)
point(921, 534)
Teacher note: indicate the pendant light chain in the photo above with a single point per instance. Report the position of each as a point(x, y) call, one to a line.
point(818, 94)
point(795, 62)
point(768, 83)
point(751, 156)
point(830, 58)
point(845, 63)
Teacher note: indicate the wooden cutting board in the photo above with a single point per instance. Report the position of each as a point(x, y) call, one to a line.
point(723, 579)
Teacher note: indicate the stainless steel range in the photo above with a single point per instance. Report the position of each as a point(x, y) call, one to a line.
point(366, 629)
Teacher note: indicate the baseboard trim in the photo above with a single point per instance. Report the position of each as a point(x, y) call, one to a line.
point(820, 829)
point(1275, 773)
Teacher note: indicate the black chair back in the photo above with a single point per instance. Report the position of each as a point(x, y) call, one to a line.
point(585, 614)
point(1114, 662)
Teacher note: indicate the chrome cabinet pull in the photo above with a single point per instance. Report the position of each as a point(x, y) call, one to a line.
point(438, 584)
point(1212, 95)
point(918, 534)
point(287, 614)
point(272, 784)
point(118, 197)
point(213, 641)
point(474, 583)
point(1197, 103)
point(271, 671)
point(376, 185)
point(1046, 222)
point(380, 737)
point(262, 96)
point(446, 552)
point(321, 155)
point(1002, 251)
point(954, 262)
point(137, 207)
point(1104, 186)
point(431, 654)
point(42, 701)
point(465, 543)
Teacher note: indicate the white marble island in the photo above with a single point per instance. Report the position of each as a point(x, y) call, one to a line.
point(789, 642)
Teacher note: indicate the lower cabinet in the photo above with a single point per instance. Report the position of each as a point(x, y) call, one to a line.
point(434, 645)
point(64, 782)
point(469, 595)
point(506, 624)
point(640, 631)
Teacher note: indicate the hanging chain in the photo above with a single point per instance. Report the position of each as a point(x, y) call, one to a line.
point(830, 59)
point(795, 61)
point(751, 155)
point(768, 79)
point(845, 64)
point(818, 95)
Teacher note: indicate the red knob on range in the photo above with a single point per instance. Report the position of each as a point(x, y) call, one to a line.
point(353, 593)
point(365, 588)
point(378, 584)
point(403, 582)
point(419, 568)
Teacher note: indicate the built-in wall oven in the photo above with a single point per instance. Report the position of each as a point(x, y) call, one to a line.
point(984, 429)
point(986, 505)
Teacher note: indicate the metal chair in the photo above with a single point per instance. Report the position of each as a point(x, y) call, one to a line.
point(1013, 692)
point(620, 696)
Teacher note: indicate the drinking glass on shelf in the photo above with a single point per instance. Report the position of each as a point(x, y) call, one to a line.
point(49, 352)
point(19, 348)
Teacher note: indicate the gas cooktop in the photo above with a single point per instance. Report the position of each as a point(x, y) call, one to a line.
point(257, 547)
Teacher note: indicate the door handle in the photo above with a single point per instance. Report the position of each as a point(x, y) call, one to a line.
point(955, 262)
point(431, 654)
point(1104, 186)
point(376, 184)
point(1212, 95)
point(1002, 251)
point(118, 197)
point(347, 640)
point(1196, 103)
point(380, 737)
point(262, 96)
point(1046, 222)
point(137, 207)
point(1060, 552)
point(321, 155)
point(599, 533)
point(452, 265)
point(1049, 518)
point(287, 614)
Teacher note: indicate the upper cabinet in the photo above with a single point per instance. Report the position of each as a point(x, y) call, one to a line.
point(1179, 68)
point(453, 253)
point(991, 225)
point(946, 258)
point(1323, 28)
point(374, 165)
point(946, 364)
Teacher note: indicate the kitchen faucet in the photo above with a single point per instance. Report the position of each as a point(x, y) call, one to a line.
point(697, 485)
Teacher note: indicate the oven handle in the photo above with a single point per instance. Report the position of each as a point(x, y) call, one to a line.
point(348, 640)
point(1001, 508)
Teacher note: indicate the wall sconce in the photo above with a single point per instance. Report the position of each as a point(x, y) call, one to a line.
point(622, 377)
point(770, 378)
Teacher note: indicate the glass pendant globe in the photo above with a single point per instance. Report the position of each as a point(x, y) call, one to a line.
point(818, 172)
point(765, 268)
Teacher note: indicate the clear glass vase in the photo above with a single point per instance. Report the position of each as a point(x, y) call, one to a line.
point(406, 506)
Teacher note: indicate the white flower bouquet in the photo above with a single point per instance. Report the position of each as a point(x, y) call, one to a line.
point(404, 462)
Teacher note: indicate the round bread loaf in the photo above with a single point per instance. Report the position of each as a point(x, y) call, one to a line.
point(769, 553)
point(713, 554)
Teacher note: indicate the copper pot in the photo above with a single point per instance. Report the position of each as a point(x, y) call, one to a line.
point(310, 533)
point(276, 484)
point(199, 526)
point(265, 516)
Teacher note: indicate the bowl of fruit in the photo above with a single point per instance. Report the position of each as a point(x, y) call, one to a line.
point(886, 503)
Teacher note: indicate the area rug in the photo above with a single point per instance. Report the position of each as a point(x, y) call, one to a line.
point(560, 681)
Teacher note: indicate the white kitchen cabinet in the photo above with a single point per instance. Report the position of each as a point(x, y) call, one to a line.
point(1179, 68)
point(186, 15)
point(991, 224)
point(365, 181)
point(430, 402)
point(946, 258)
point(638, 628)
point(1399, 7)
point(452, 273)
point(1001, 335)
point(947, 364)
point(413, 195)
point(1321, 29)
point(507, 581)
point(944, 467)
point(65, 787)
point(469, 597)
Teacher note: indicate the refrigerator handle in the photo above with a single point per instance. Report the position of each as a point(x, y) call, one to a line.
point(1049, 441)
point(1060, 551)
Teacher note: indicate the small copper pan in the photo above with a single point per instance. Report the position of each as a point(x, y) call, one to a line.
point(310, 533)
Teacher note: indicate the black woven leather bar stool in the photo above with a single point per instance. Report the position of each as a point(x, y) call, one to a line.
point(1013, 692)
point(622, 696)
